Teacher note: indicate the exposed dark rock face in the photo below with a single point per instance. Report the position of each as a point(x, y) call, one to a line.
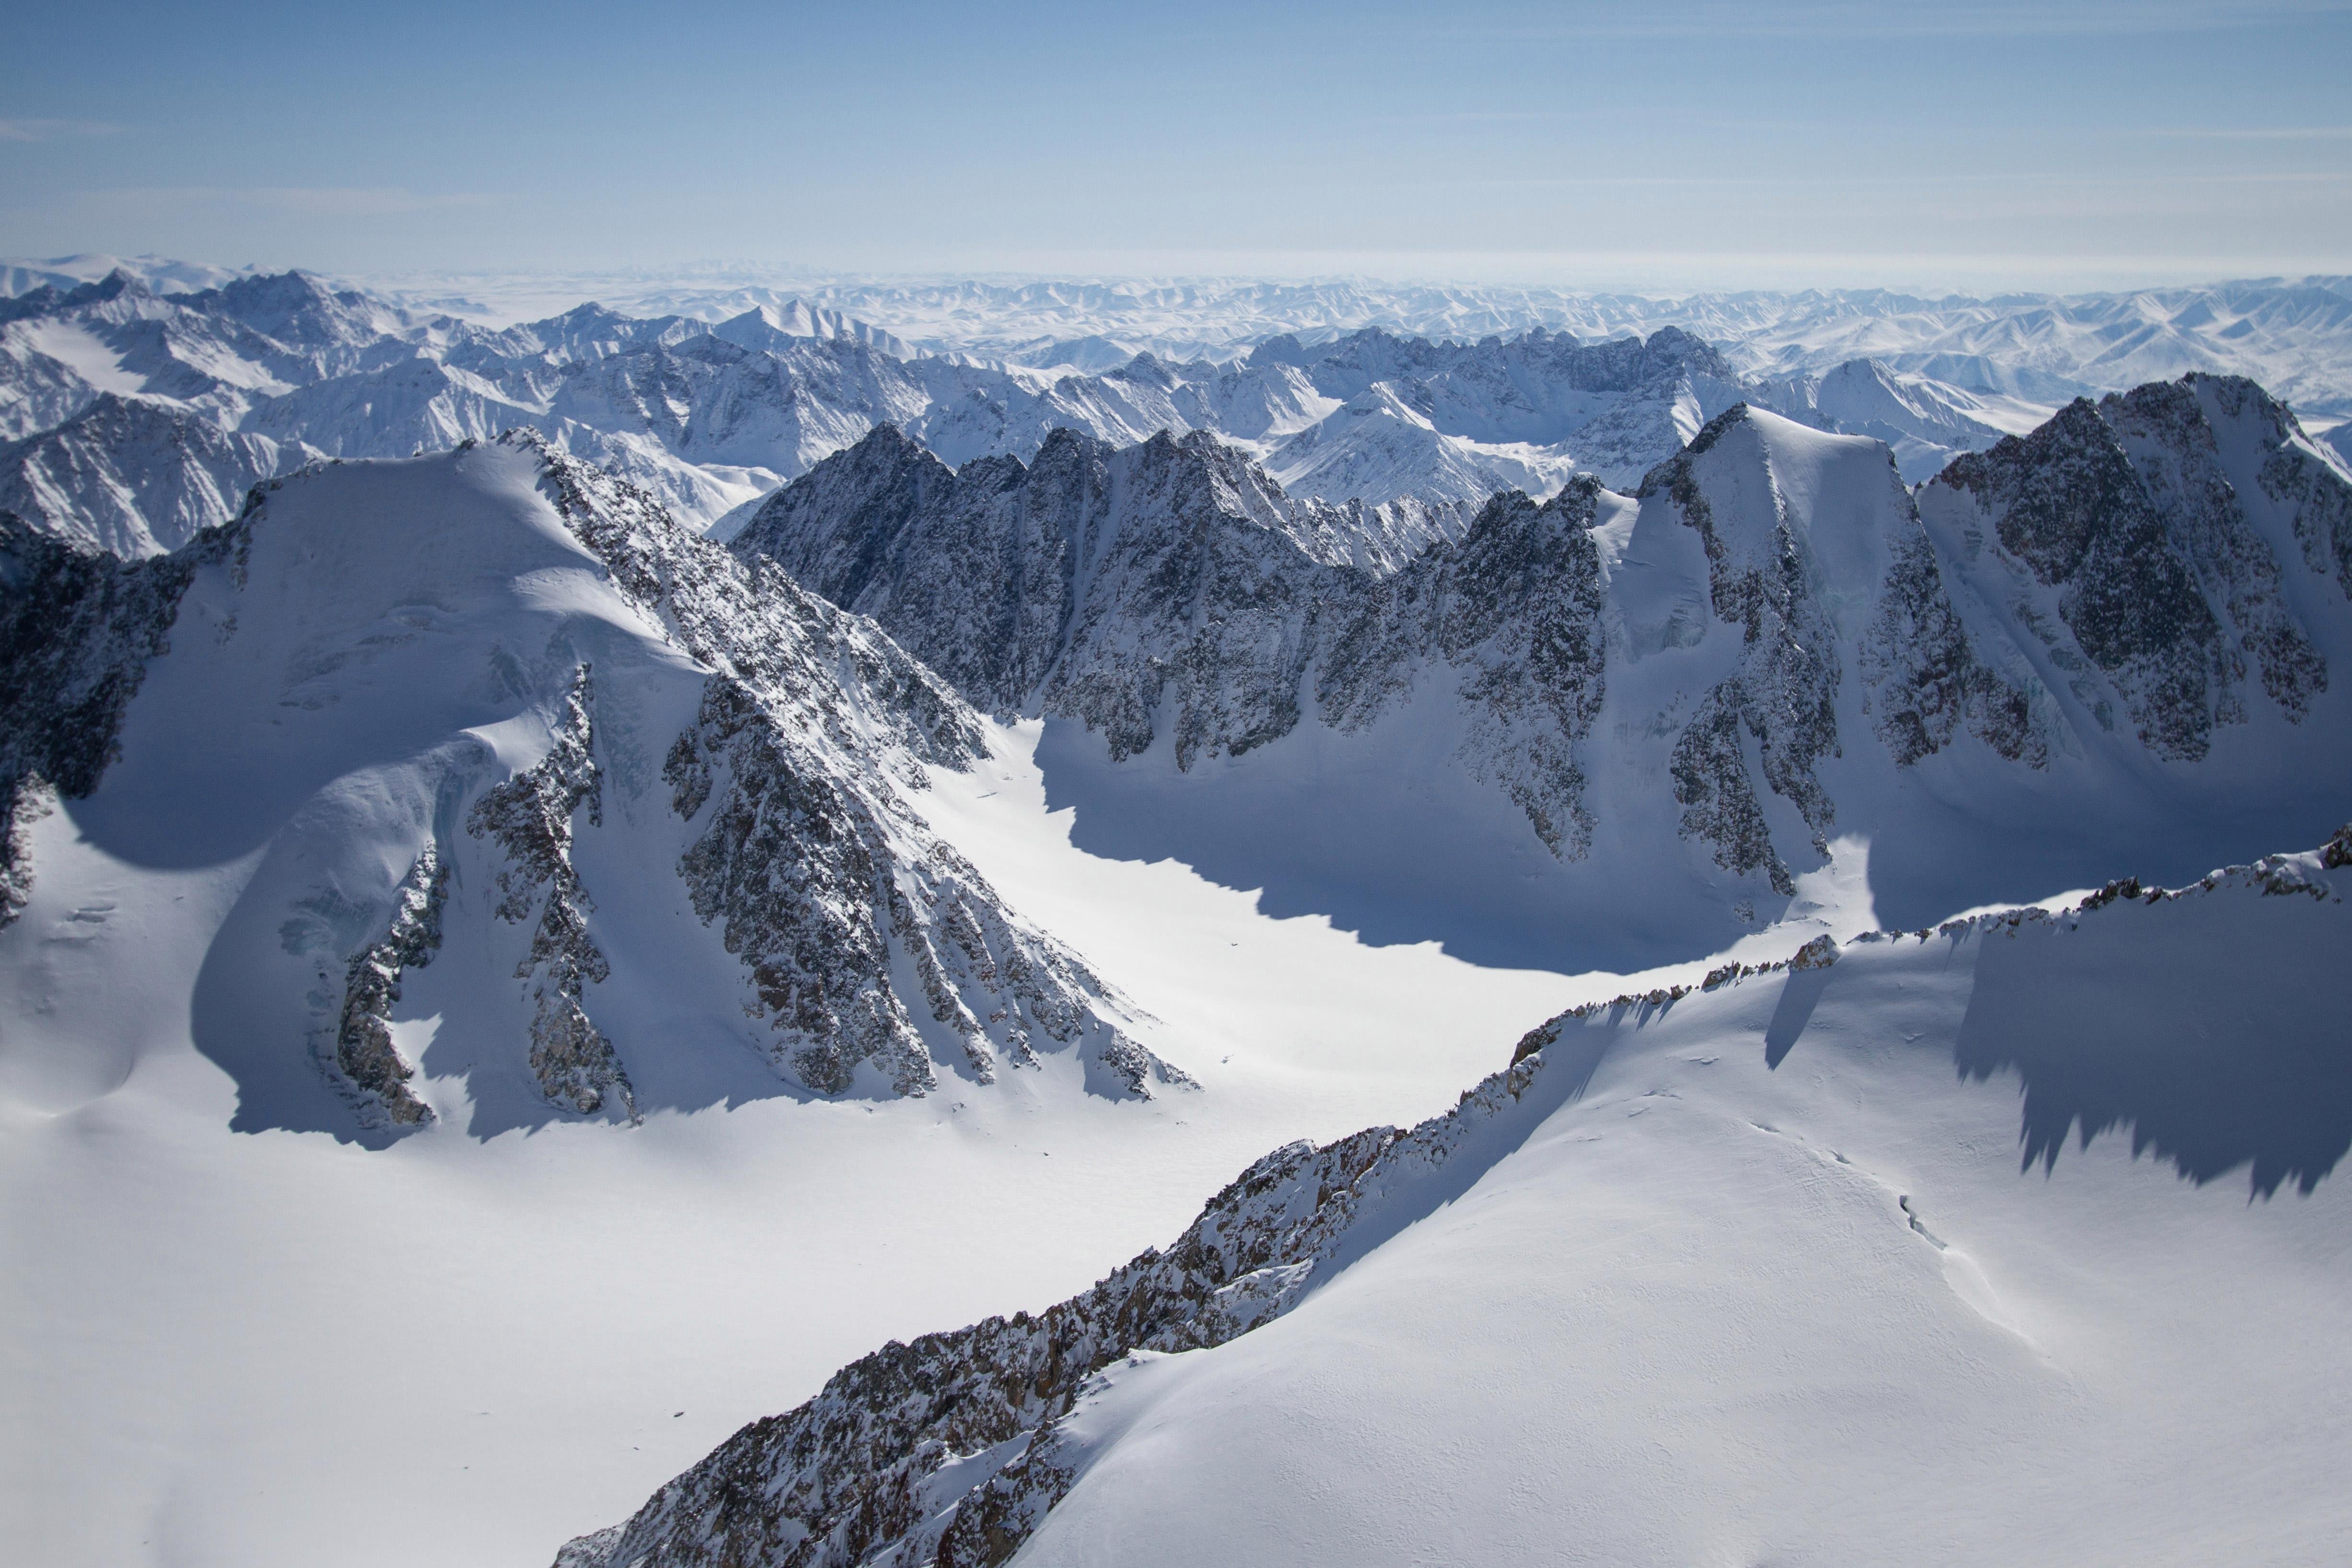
point(1718, 798)
point(1168, 594)
point(2166, 591)
point(1785, 693)
point(76, 628)
point(2172, 447)
point(1923, 683)
point(1928, 685)
point(364, 1052)
point(1513, 608)
point(858, 1475)
point(530, 817)
point(33, 799)
point(1170, 588)
point(818, 878)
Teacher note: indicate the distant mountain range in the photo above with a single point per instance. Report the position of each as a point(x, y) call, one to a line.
point(2292, 334)
point(135, 415)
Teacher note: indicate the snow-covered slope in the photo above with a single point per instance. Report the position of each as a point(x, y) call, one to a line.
point(1750, 1270)
point(631, 812)
point(1597, 732)
point(1927, 423)
point(134, 477)
point(2339, 441)
point(1378, 447)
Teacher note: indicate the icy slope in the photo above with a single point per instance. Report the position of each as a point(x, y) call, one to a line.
point(492, 725)
point(1610, 731)
point(1753, 1270)
point(136, 477)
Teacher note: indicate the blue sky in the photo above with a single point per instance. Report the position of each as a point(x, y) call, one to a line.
point(1982, 146)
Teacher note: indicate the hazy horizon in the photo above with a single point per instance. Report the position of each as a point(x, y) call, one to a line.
point(2070, 148)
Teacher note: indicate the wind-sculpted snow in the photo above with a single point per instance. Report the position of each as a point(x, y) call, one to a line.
point(504, 704)
point(958, 1448)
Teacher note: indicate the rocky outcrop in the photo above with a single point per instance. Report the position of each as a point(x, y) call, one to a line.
point(31, 800)
point(1926, 683)
point(1511, 613)
point(76, 628)
point(1784, 695)
point(370, 1063)
point(530, 817)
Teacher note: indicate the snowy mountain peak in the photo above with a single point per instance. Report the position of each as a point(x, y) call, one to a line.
point(622, 757)
point(771, 325)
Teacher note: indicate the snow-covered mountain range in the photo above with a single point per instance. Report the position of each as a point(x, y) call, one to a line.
point(498, 687)
point(1575, 727)
point(195, 395)
point(521, 951)
point(2292, 334)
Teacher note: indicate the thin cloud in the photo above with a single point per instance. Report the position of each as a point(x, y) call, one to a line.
point(1894, 19)
point(53, 129)
point(2257, 134)
point(310, 201)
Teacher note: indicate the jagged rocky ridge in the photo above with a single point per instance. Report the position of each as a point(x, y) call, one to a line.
point(1771, 625)
point(759, 751)
point(944, 1451)
point(1171, 586)
point(950, 1451)
point(370, 1062)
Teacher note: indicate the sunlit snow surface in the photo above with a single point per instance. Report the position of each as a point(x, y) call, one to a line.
point(1771, 1285)
point(260, 1348)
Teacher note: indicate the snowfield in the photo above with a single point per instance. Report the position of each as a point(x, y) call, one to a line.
point(259, 1347)
point(2009, 1239)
